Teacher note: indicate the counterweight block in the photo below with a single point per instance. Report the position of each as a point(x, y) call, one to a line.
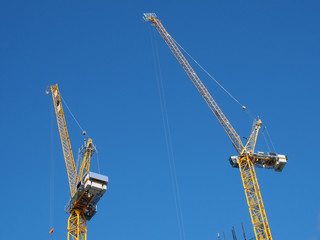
point(263, 160)
point(89, 191)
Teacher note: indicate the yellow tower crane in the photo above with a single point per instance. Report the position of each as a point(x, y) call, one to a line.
point(86, 187)
point(247, 157)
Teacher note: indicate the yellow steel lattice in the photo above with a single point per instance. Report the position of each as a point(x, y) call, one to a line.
point(249, 179)
point(77, 226)
point(254, 199)
point(65, 141)
point(235, 138)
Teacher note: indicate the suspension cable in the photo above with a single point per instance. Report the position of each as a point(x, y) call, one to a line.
point(83, 132)
point(274, 149)
point(219, 84)
point(98, 162)
point(264, 137)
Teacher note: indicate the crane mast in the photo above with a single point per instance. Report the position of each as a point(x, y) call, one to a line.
point(86, 187)
point(246, 157)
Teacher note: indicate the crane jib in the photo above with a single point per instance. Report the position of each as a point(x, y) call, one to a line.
point(87, 188)
point(235, 138)
point(247, 157)
point(66, 145)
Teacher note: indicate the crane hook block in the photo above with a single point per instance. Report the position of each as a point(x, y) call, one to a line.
point(51, 230)
point(48, 90)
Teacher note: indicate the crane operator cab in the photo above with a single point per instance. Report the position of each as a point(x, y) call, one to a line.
point(263, 160)
point(89, 191)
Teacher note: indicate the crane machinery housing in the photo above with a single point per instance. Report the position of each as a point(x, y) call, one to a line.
point(86, 187)
point(247, 158)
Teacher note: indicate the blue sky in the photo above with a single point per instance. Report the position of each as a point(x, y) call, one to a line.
point(266, 53)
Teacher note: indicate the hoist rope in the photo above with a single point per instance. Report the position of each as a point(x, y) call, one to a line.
point(71, 113)
point(51, 203)
point(167, 133)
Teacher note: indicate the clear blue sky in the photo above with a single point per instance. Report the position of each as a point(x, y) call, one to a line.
point(265, 53)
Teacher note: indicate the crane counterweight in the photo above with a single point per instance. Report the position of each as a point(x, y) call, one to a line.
point(89, 191)
point(263, 160)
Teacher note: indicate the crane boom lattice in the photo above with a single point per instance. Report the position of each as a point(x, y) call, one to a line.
point(86, 188)
point(235, 138)
point(65, 141)
point(245, 162)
